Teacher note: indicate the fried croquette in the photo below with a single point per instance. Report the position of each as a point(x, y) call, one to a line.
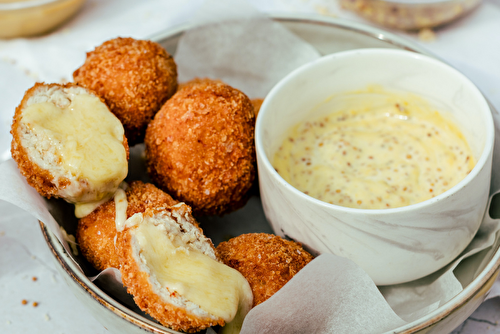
point(96, 232)
point(68, 144)
point(135, 78)
point(257, 103)
point(170, 268)
point(196, 81)
point(267, 261)
point(200, 147)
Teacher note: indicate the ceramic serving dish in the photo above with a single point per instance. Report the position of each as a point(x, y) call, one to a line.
point(385, 243)
point(328, 35)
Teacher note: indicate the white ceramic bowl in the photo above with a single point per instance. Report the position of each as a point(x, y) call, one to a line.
point(392, 245)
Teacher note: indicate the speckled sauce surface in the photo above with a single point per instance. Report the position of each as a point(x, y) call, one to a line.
point(467, 44)
point(374, 150)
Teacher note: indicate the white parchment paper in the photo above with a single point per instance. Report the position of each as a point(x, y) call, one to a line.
point(14, 189)
point(331, 295)
point(241, 46)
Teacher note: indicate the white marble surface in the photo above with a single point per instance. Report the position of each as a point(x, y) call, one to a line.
point(471, 44)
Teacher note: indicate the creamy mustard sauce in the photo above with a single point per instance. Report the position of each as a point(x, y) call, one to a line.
point(89, 142)
point(375, 150)
point(218, 289)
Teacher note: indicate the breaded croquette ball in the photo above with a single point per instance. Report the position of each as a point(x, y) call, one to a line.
point(96, 232)
point(134, 77)
point(267, 261)
point(200, 147)
point(257, 103)
point(68, 144)
point(170, 269)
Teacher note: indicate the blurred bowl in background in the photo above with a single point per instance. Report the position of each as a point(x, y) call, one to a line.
point(410, 14)
point(21, 18)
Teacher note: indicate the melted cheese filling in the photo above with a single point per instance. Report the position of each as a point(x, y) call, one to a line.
point(121, 204)
point(375, 150)
point(88, 139)
point(218, 289)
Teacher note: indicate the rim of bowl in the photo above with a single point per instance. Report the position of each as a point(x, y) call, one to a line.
point(358, 27)
point(486, 151)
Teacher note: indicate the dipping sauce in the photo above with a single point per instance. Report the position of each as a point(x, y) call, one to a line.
point(374, 149)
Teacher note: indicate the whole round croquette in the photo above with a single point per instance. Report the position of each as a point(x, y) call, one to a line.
point(96, 232)
point(200, 147)
point(267, 261)
point(135, 78)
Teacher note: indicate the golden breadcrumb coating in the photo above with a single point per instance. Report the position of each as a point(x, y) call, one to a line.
point(134, 77)
point(139, 285)
point(257, 103)
point(39, 178)
point(96, 232)
point(200, 147)
point(196, 81)
point(267, 261)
